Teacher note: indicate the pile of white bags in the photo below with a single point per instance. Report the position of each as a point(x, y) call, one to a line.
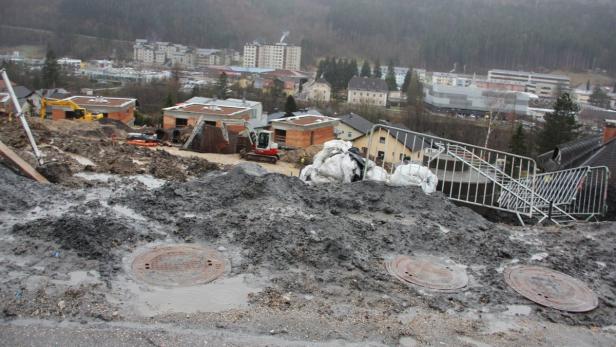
point(335, 164)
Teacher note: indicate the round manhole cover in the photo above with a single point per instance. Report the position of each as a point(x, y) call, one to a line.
point(178, 265)
point(551, 288)
point(429, 272)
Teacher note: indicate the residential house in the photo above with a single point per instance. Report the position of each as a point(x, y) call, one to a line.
point(352, 126)
point(591, 151)
point(390, 146)
point(214, 112)
point(367, 91)
point(303, 131)
point(319, 91)
point(303, 112)
point(255, 109)
point(122, 109)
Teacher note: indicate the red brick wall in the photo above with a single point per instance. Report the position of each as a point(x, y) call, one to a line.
point(608, 134)
point(125, 116)
point(303, 139)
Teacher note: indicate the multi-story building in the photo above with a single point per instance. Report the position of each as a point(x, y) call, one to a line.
point(170, 54)
point(451, 79)
point(368, 91)
point(543, 85)
point(279, 56)
point(473, 99)
point(207, 56)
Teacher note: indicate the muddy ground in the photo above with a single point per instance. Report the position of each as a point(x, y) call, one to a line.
point(313, 257)
point(304, 264)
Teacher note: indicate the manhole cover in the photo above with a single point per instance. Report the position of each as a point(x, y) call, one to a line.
point(429, 272)
point(551, 288)
point(178, 265)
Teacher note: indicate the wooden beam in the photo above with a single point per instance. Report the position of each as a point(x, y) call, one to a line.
point(26, 168)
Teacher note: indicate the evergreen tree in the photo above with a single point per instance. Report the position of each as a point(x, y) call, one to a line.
point(222, 87)
point(518, 142)
point(290, 106)
point(376, 72)
point(169, 100)
point(407, 81)
point(51, 70)
point(599, 98)
point(415, 94)
point(560, 126)
point(365, 70)
point(390, 78)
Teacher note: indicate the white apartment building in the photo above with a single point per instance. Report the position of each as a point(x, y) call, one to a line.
point(170, 54)
point(279, 56)
point(542, 85)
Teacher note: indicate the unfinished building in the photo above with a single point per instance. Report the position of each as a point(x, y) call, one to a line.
point(304, 131)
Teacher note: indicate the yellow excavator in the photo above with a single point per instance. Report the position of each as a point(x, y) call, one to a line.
point(77, 111)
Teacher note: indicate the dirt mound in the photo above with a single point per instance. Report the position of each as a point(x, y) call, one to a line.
point(295, 156)
point(340, 235)
point(92, 231)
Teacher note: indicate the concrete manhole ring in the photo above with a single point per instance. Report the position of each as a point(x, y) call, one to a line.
point(179, 265)
point(551, 288)
point(429, 272)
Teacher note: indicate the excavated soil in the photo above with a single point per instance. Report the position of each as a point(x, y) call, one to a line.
point(327, 241)
point(316, 253)
point(74, 146)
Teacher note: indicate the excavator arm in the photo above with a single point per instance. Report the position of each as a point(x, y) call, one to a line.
point(81, 112)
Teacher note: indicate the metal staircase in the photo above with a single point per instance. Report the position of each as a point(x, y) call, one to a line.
point(515, 194)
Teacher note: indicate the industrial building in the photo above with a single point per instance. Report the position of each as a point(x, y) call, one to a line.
point(542, 85)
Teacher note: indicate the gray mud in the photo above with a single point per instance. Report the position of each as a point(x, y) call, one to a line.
point(327, 242)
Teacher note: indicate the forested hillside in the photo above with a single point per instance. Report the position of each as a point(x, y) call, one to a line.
point(478, 34)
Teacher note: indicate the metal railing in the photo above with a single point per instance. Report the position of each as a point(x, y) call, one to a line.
point(590, 199)
point(494, 179)
point(467, 173)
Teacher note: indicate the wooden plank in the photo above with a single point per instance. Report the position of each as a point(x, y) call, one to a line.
point(26, 168)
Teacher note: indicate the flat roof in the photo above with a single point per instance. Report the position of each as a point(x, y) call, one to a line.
point(101, 101)
point(306, 120)
point(208, 108)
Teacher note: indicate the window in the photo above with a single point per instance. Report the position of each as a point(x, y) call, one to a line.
point(401, 156)
point(381, 139)
point(181, 122)
point(380, 155)
point(349, 134)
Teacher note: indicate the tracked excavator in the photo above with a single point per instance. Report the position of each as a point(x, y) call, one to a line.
point(77, 111)
point(263, 147)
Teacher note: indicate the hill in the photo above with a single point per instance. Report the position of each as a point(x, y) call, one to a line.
point(478, 34)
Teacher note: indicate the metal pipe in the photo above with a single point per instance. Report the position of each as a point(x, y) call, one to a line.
point(22, 118)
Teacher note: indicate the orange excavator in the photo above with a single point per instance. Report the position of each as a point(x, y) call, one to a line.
point(264, 149)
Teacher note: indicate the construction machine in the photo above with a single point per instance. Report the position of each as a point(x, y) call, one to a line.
point(263, 147)
point(78, 112)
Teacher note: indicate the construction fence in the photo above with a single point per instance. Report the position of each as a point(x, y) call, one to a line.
point(494, 179)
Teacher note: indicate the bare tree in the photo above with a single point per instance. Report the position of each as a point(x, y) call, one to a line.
point(496, 102)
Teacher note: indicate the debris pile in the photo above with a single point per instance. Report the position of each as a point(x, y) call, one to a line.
point(339, 161)
point(72, 146)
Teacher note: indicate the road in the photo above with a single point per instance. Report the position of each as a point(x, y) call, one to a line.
point(234, 159)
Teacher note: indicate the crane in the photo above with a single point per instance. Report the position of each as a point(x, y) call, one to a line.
point(79, 112)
